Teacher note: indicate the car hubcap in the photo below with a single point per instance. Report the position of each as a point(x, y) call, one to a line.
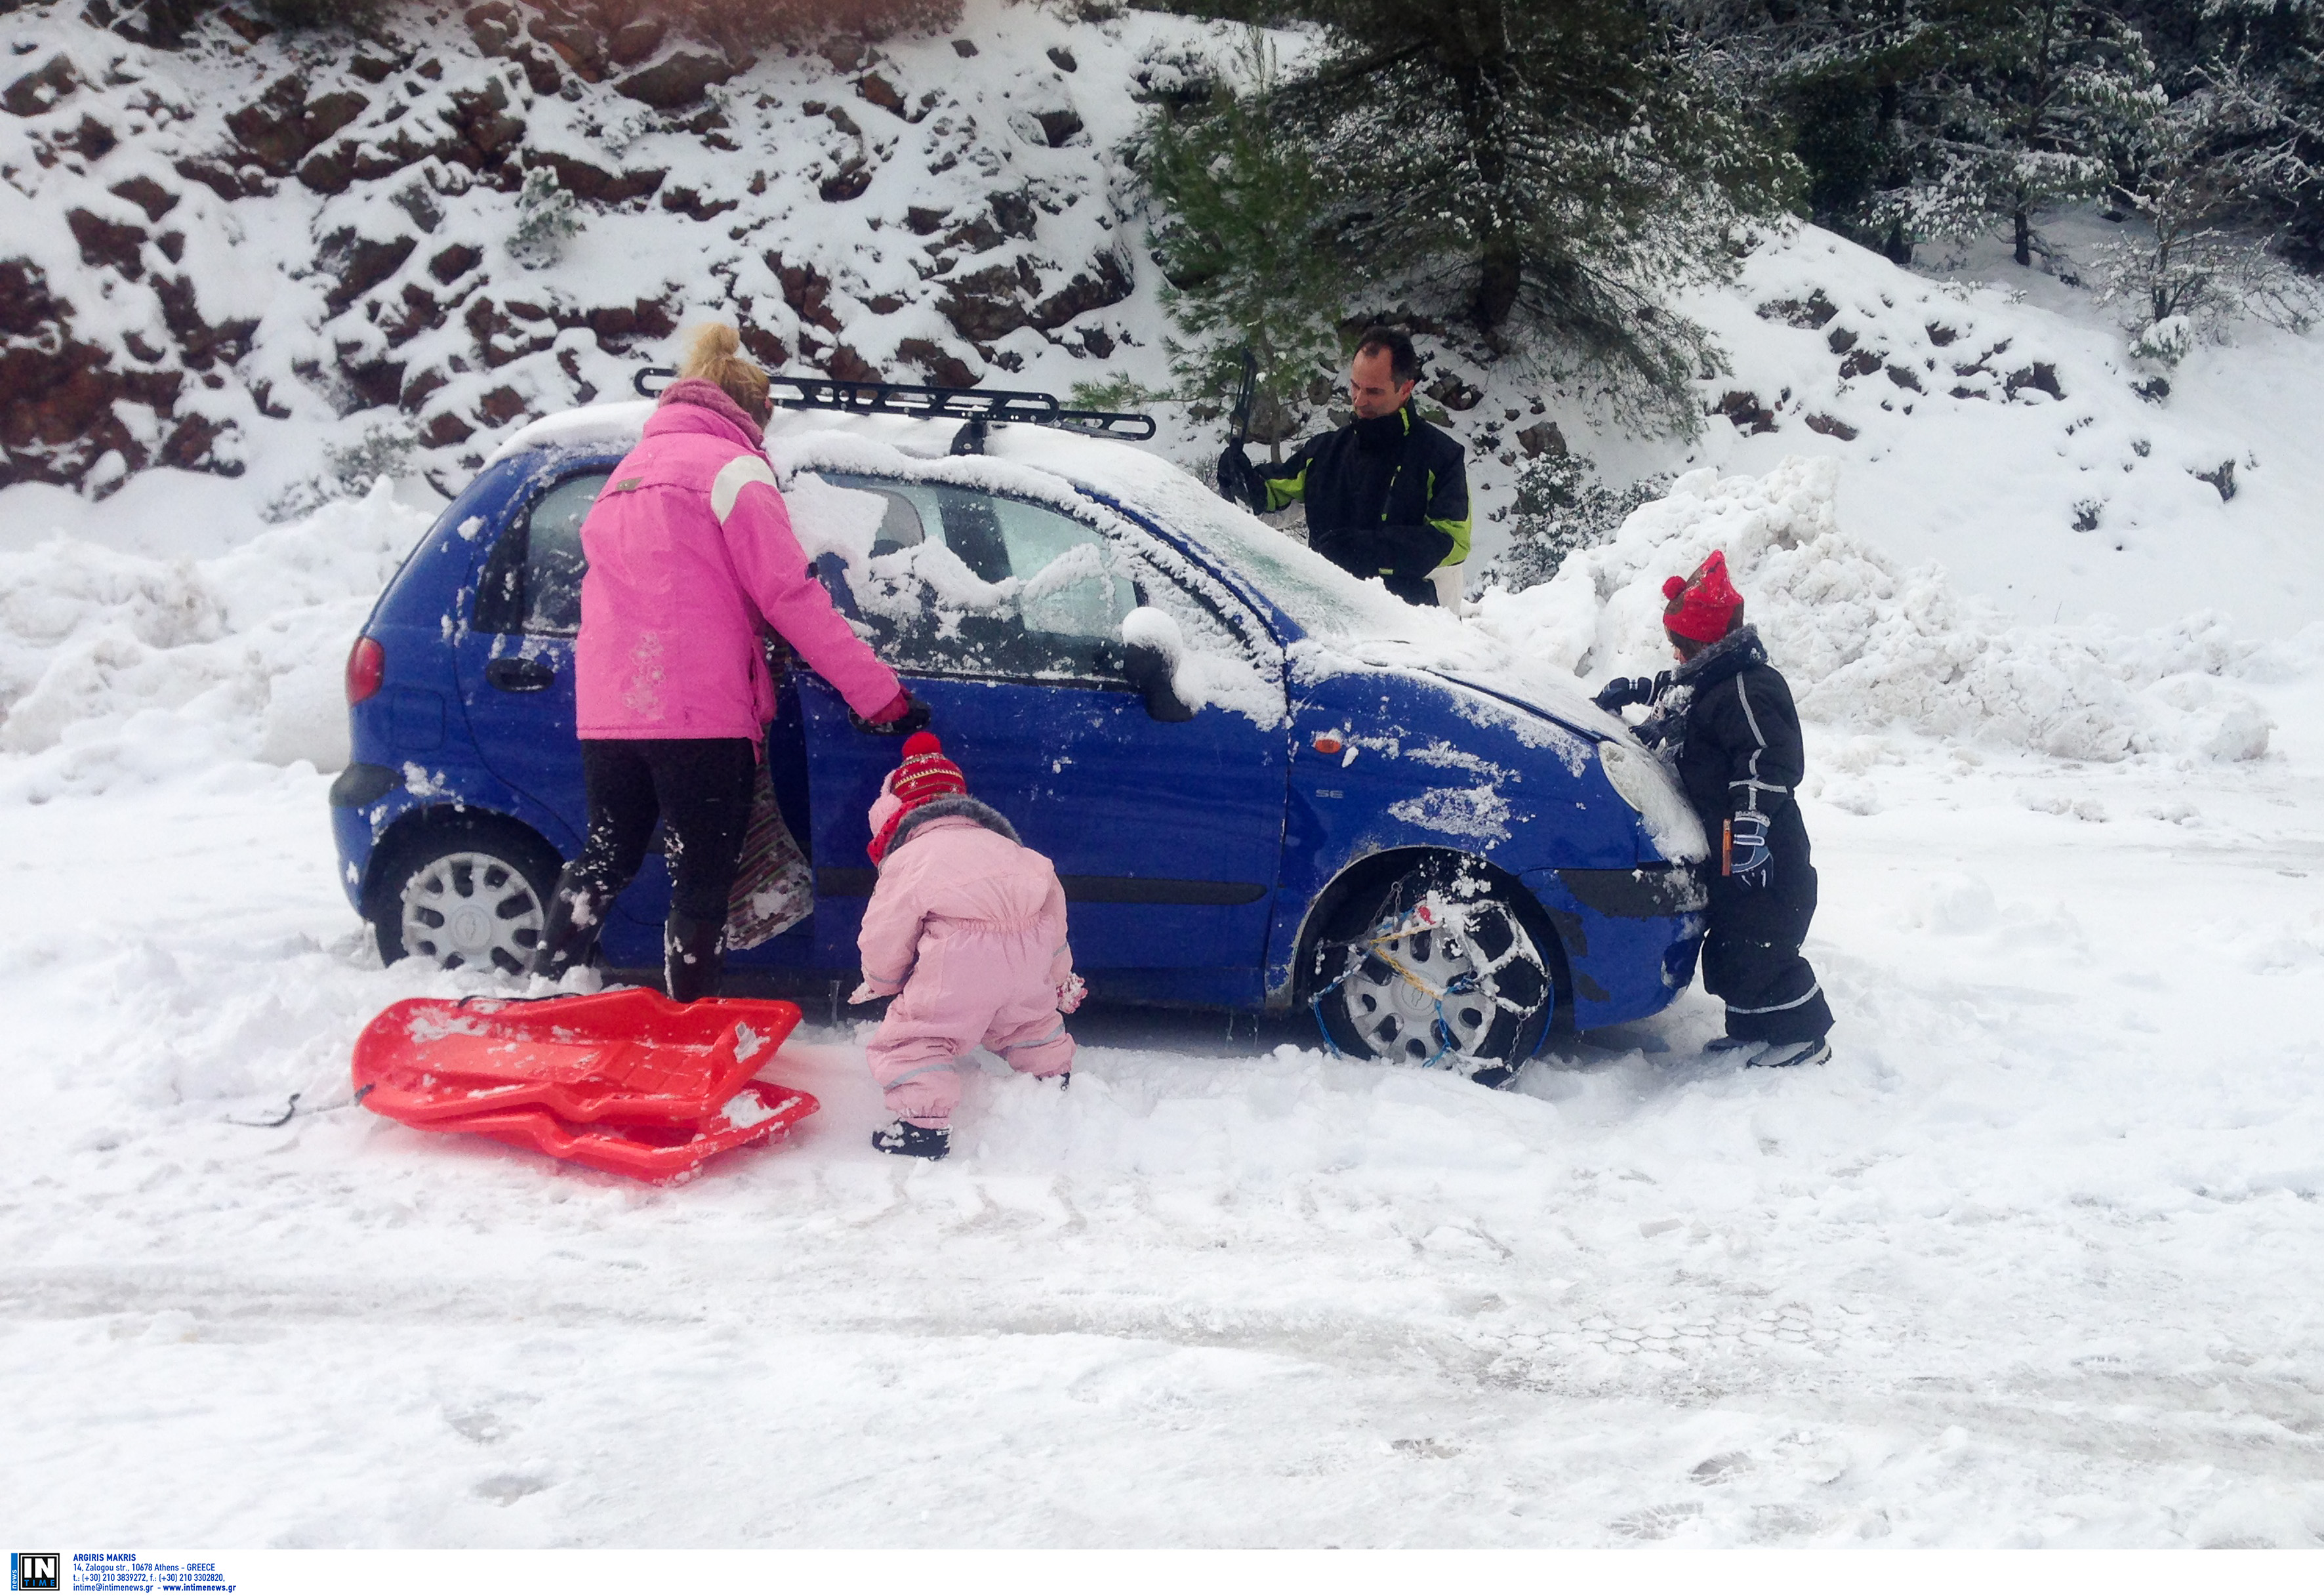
point(473, 910)
point(1433, 984)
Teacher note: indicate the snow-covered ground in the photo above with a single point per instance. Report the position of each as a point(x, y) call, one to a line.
point(2030, 1262)
point(2027, 1264)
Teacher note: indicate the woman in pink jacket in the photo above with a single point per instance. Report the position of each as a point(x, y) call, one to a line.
point(691, 556)
point(966, 930)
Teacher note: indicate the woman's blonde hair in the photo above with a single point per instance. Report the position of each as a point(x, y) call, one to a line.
point(713, 352)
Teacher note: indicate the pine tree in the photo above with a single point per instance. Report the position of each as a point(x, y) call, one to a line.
point(1246, 261)
point(1559, 166)
point(1562, 506)
point(2031, 103)
point(2204, 257)
point(546, 217)
point(1921, 119)
point(2263, 62)
point(1841, 74)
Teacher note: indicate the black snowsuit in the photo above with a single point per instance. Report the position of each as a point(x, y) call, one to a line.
point(1725, 718)
point(1386, 497)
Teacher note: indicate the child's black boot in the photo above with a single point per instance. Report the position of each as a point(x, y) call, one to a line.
point(908, 1140)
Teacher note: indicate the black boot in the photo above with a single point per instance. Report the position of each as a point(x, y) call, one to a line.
point(908, 1140)
point(692, 954)
point(570, 936)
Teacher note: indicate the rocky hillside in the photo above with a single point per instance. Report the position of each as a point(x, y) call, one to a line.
point(311, 260)
point(220, 241)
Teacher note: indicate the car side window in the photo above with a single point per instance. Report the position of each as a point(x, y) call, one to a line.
point(1210, 617)
point(532, 582)
point(960, 582)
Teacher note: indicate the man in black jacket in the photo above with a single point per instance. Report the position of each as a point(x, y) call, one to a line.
point(1387, 495)
point(1725, 718)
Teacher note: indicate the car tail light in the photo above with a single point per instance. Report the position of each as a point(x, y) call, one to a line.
point(366, 668)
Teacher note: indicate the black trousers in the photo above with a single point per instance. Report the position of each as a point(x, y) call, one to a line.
point(1752, 958)
point(699, 787)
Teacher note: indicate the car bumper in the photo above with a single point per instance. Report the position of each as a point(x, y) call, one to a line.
point(1630, 937)
point(365, 799)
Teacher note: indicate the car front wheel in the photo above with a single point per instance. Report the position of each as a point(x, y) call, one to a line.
point(1441, 969)
point(464, 900)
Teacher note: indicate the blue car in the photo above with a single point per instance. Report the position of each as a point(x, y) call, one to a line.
point(1264, 784)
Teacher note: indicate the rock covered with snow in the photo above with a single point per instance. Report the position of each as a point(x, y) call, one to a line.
point(1866, 643)
point(221, 243)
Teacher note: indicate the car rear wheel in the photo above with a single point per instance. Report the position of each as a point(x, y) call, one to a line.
point(465, 901)
point(1440, 969)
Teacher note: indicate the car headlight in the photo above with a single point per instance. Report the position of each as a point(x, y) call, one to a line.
point(1639, 779)
point(1631, 774)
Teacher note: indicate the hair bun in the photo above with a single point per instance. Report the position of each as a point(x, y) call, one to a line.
point(713, 353)
point(715, 341)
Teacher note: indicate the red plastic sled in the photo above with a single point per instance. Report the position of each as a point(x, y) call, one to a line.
point(626, 1081)
point(658, 1153)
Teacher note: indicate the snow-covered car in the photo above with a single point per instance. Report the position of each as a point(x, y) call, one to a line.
point(1263, 783)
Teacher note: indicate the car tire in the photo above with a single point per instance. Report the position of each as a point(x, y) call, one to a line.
point(463, 897)
point(1446, 929)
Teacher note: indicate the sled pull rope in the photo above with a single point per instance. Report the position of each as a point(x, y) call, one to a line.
point(289, 1111)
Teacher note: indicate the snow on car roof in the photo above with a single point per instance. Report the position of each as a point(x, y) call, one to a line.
point(1360, 619)
point(613, 425)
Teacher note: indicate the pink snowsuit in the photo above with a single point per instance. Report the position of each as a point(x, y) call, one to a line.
point(690, 548)
point(969, 926)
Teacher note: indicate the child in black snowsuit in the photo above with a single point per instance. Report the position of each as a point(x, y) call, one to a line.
point(1724, 720)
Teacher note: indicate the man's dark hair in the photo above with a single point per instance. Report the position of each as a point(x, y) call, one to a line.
point(1403, 359)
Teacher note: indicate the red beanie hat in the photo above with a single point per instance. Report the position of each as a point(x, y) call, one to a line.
point(924, 777)
point(1703, 606)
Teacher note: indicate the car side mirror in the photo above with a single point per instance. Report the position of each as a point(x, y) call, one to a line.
point(1151, 674)
point(1153, 646)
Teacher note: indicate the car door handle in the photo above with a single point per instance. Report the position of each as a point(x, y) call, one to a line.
point(514, 675)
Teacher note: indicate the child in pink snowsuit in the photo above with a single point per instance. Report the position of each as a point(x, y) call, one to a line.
point(968, 924)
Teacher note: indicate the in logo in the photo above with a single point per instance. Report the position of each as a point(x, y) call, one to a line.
point(34, 1571)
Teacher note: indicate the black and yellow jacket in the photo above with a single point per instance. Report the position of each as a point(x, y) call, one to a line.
point(1386, 497)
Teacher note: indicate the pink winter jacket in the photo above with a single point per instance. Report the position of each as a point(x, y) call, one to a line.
point(689, 549)
point(953, 875)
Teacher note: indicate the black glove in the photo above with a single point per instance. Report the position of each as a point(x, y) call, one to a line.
point(915, 717)
point(1748, 861)
point(1625, 690)
point(1236, 480)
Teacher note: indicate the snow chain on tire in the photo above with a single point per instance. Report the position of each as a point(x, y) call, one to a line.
point(1432, 913)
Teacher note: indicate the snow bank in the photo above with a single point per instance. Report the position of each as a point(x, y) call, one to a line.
point(116, 665)
point(1997, 423)
point(1866, 643)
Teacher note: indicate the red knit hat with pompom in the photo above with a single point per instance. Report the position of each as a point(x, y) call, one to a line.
point(924, 777)
point(1704, 607)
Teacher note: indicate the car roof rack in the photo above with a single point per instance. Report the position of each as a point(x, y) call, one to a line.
point(976, 409)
